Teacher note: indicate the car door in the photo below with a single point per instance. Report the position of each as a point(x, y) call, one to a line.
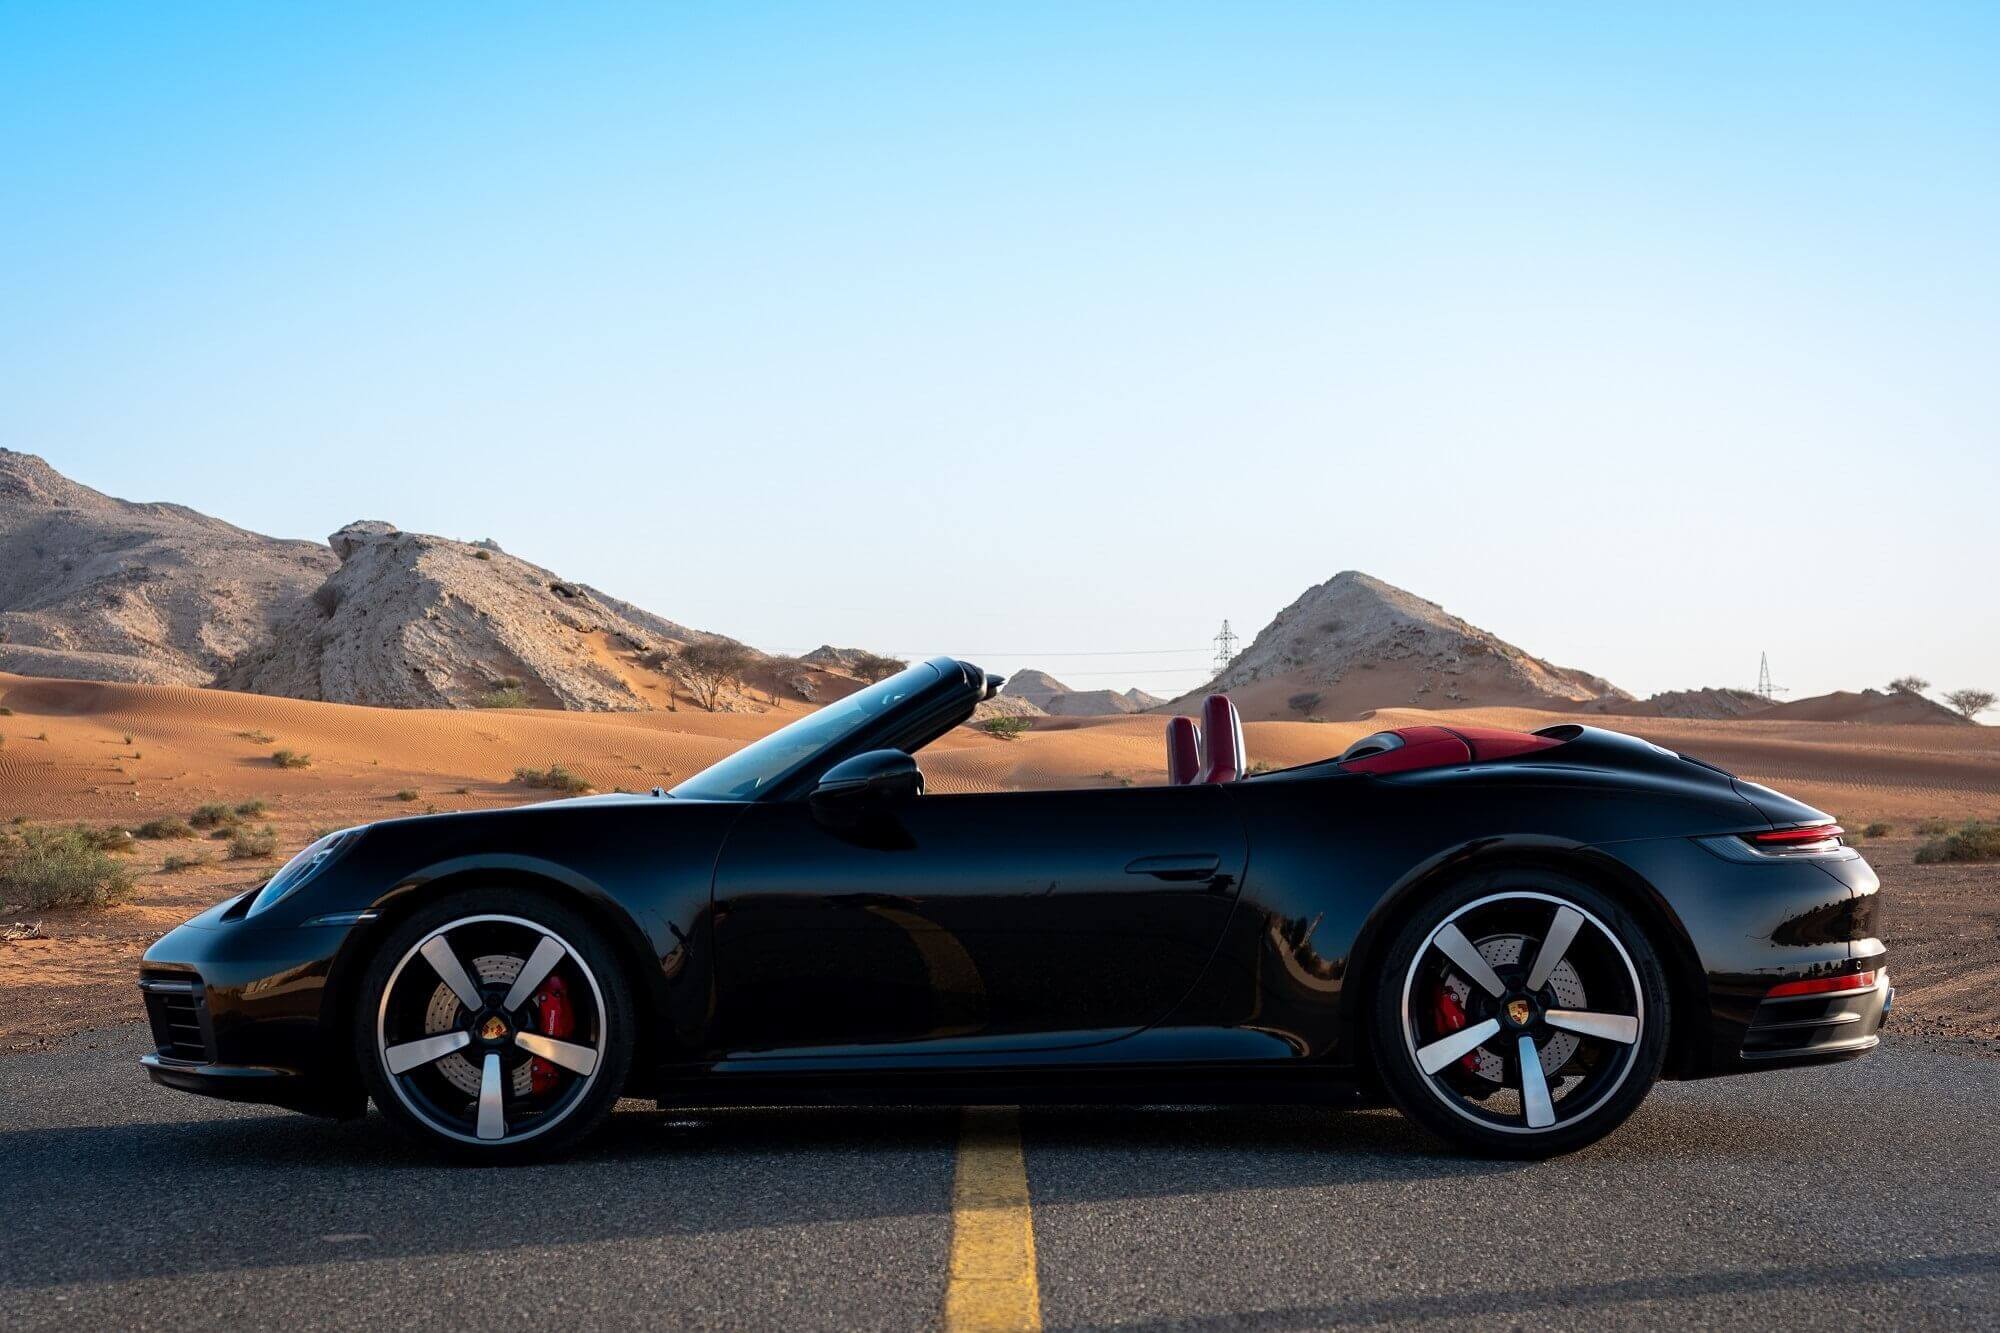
point(995, 921)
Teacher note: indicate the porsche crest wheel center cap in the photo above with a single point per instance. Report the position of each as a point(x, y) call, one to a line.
point(1519, 1012)
point(493, 1029)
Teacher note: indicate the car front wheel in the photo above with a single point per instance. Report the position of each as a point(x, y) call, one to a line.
point(1520, 1015)
point(494, 1025)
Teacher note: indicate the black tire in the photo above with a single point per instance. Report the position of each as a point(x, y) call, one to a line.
point(406, 1004)
point(1604, 986)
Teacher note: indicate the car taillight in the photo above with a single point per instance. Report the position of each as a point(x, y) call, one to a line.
point(1824, 985)
point(1801, 841)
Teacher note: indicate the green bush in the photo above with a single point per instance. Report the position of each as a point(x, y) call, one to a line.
point(1932, 828)
point(176, 863)
point(1974, 842)
point(214, 814)
point(291, 759)
point(407, 794)
point(164, 830)
point(555, 778)
point(251, 808)
point(505, 696)
point(1006, 728)
point(1878, 830)
point(62, 867)
point(245, 845)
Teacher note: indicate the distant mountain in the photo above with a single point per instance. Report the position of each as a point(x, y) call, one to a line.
point(1051, 696)
point(1894, 707)
point(1702, 704)
point(1355, 643)
point(96, 588)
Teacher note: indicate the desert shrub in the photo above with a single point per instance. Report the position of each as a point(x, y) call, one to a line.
point(63, 867)
point(110, 837)
point(1006, 728)
point(482, 554)
point(251, 808)
point(504, 696)
point(1974, 842)
point(291, 759)
point(164, 830)
point(6, 712)
point(178, 863)
point(213, 814)
point(1933, 827)
point(553, 778)
point(407, 794)
point(248, 845)
point(1908, 685)
point(1304, 702)
point(872, 667)
point(1878, 830)
point(257, 737)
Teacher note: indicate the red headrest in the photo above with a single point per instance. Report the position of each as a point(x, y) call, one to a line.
point(1183, 751)
point(1223, 759)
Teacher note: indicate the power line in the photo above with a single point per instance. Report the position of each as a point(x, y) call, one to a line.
point(1225, 646)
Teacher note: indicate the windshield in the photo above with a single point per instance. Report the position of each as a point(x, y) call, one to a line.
point(756, 768)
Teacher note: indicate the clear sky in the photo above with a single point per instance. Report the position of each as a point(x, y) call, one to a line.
point(1647, 337)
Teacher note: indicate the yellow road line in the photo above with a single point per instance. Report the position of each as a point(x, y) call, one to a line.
point(992, 1283)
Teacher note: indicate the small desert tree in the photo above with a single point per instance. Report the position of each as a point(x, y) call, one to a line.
point(1908, 685)
point(1970, 703)
point(1304, 702)
point(710, 668)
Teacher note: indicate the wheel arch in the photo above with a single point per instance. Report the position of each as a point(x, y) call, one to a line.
point(1687, 986)
point(627, 941)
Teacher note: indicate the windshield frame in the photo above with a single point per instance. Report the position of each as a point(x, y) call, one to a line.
point(937, 704)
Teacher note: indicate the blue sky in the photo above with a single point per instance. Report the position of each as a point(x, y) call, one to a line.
point(1649, 339)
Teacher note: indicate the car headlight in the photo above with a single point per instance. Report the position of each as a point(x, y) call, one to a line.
point(295, 872)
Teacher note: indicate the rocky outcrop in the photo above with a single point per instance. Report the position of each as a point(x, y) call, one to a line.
point(1355, 643)
point(409, 620)
point(97, 588)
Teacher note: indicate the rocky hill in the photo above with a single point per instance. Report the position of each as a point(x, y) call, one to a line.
point(1051, 696)
point(96, 588)
point(1355, 643)
point(1876, 706)
point(409, 620)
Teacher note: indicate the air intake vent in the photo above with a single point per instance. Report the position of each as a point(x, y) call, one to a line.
point(179, 1018)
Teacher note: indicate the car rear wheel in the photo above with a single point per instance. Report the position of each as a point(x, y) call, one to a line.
point(494, 1025)
point(1520, 1015)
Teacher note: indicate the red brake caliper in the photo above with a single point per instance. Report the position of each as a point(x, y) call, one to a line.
point(1450, 1018)
point(553, 1016)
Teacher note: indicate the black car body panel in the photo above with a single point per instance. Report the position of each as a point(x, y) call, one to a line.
point(1146, 941)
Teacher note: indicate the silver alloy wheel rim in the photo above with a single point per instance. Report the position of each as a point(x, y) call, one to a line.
point(490, 1125)
point(1625, 1031)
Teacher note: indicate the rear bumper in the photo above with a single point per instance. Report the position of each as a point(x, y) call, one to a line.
point(1808, 1029)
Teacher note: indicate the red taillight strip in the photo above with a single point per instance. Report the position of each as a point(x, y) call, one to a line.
point(1788, 836)
point(1823, 985)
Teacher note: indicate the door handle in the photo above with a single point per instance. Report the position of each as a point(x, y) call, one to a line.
point(1180, 865)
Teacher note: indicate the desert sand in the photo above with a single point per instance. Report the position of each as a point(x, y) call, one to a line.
point(120, 754)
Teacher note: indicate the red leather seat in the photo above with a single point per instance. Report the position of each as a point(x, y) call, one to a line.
point(1183, 751)
point(1223, 758)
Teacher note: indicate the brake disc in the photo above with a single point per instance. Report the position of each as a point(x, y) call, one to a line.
point(1502, 951)
point(494, 969)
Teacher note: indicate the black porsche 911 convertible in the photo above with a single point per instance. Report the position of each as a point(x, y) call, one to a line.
point(1511, 936)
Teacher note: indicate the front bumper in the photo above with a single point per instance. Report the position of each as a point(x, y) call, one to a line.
point(238, 1013)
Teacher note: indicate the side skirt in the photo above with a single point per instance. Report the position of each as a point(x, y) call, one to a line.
point(1215, 1086)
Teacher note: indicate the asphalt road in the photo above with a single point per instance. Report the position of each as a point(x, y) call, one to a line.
point(1862, 1195)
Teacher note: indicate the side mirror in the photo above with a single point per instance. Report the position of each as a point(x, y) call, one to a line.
point(866, 783)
